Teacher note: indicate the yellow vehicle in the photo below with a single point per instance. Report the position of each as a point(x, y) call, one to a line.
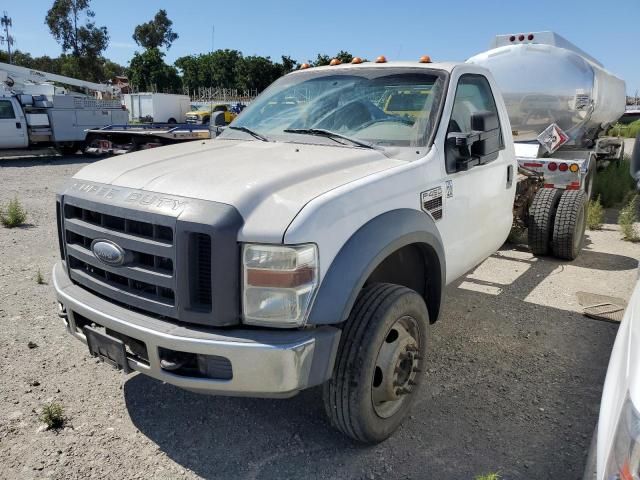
point(202, 114)
point(406, 103)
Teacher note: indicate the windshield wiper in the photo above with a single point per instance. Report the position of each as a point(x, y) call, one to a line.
point(321, 132)
point(250, 132)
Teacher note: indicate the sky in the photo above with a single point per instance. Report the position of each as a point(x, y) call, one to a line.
point(398, 29)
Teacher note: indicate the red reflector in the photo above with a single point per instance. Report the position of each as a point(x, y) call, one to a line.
point(573, 187)
point(563, 167)
point(532, 164)
point(279, 278)
point(521, 37)
point(549, 185)
point(512, 38)
point(530, 37)
point(553, 166)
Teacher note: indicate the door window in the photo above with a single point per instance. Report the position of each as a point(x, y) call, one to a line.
point(473, 94)
point(6, 110)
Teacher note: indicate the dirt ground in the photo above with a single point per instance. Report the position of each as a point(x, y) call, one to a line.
point(513, 384)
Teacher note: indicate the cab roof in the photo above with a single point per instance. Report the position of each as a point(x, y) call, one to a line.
point(444, 66)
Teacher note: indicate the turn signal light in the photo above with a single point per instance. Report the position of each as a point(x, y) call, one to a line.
point(381, 59)
point(425, 59)
point(356, 60)
point(304, 65)
point(563, 167)
point(334, 62)
point(553, 166)
point(574, 167)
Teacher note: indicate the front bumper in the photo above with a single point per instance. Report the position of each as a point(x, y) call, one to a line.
point(194, 120)
point(264, 363)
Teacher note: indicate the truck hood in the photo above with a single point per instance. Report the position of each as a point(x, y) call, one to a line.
point(267, 182)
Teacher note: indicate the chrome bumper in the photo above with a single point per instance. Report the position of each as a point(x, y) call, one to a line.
point(265, 363)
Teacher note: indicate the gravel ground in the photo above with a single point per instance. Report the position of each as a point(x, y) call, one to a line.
point(513, 384)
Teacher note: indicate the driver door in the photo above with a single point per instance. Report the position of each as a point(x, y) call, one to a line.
point(479, 200)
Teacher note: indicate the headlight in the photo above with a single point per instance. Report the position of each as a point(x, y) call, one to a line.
point(279, 283)
point(624, 459)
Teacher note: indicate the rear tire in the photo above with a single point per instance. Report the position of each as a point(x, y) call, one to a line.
point(377, 375)
point(542, 213)
point(570, 224)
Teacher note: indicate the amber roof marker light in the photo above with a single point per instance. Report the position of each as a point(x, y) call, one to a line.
point(381, 59)
point(356, 60)
point(334, 62)
point(304, 65)
point(425, 59)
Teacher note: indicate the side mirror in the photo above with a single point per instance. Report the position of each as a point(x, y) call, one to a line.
point(479, 146)
point(635, 161)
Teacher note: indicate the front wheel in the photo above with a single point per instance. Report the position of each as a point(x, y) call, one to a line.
point(377, 373)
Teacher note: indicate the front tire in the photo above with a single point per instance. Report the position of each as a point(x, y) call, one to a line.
point(377, 373)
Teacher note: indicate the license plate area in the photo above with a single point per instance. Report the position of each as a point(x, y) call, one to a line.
point(109, 349)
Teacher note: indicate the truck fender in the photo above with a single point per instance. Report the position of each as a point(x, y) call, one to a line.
point(366, 249)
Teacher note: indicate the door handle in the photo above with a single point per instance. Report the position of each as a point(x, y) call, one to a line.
point(509, 176)
point(18, 125)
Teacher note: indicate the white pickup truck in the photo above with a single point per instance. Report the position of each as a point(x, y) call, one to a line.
point(310, 243)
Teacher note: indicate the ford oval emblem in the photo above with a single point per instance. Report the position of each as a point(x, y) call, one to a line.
point(108, 252)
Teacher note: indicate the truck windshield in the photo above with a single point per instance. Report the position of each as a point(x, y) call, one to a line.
point(385, 107)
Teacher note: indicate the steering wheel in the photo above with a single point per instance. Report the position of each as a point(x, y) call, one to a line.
point(349, 116)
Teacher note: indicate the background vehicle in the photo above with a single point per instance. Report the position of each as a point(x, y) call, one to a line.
point(615, 449)
point(157, 107)
point(547, 81)
point(201, 114)
point(310, 243)
point(119, 139)
point(36, 113)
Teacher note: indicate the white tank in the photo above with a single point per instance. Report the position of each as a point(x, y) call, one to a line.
point(545, 79)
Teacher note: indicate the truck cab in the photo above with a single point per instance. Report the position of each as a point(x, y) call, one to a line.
point(304, 246)
point(13, 125)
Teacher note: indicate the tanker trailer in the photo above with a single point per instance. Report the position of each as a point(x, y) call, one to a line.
point(560, 102)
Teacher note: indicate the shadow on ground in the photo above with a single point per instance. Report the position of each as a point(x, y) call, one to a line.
point(511, 386)
point(40, 161)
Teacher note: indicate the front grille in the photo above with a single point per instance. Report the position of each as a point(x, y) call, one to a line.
point(147, 281)
point(201, 293)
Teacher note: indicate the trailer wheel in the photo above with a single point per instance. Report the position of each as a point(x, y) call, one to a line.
point(377, 376)
point(568, 229)
point(541, 216)
point(69, 148)
point(590, 178)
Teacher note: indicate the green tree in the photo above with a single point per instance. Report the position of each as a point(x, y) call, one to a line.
point(344, 57)
point(65, 21)
point(321, 60)
point(71, 24)
point(147, 71)
point(156, 32)
point(289, 64)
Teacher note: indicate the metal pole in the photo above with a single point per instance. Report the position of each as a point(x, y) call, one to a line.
point(6, 23)
point(213, 36)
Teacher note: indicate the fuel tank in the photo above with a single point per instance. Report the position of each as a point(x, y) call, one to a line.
point(545, 79)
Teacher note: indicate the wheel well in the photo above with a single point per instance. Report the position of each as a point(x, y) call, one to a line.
point(415, 266)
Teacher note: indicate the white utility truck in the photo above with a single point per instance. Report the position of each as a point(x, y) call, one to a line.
point(36, 113)
point(310, 243)
point(157, 107)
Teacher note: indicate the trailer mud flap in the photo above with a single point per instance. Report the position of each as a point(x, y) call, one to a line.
point(109, 349)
